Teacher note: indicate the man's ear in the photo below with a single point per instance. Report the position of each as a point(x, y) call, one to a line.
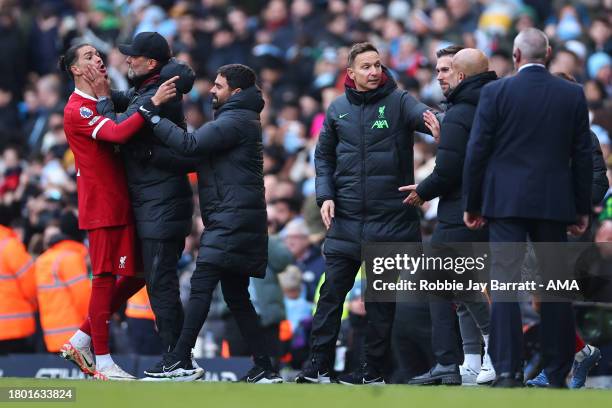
point(235, 91)
point(75, 71)
point(350, 73)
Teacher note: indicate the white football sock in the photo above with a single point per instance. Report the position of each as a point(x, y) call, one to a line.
point(473, 361)
point(103, 361)
point(485, 337)
point(80, 339)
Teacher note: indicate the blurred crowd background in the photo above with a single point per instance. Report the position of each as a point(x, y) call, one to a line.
point(299, 50)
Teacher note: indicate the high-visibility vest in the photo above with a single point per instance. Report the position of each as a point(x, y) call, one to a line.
point(64, 289)
point(17, 288)
point(138, 306)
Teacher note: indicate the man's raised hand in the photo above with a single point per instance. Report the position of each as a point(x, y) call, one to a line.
point(165, 92)
point(99, 82)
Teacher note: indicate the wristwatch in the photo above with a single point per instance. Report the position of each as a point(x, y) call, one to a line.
point(155, 119)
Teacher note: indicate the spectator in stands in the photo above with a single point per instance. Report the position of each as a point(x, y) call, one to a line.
point(307, 256)
point(62, 280)
point(17, 291)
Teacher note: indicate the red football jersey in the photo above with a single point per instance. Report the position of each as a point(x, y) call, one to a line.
point(101, 181)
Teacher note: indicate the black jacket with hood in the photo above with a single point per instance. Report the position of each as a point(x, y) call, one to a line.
point(230, 182)
point(446, 179)
point(161, 196)
point(364, 154)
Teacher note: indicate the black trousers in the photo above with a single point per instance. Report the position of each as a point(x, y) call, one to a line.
point(340, 276)
point(557, 327)
point(160, 258)
point(445, 340)
point(143, 338)
point(239, 346)
point(235, 288)
point(412, 341)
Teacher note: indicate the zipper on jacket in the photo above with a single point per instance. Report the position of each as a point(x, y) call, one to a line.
point(363, 173)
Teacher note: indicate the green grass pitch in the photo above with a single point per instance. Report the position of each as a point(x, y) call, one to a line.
point(94, 394)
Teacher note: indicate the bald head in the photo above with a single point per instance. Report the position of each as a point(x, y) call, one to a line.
point(531, 46)
point(470, 62)
point(466, 63)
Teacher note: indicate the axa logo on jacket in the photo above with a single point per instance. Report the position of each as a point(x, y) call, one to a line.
point(381, 123)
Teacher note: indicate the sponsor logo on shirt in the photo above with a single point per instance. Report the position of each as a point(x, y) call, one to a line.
point(85, 112)
point(94, 120)
point(122, 261)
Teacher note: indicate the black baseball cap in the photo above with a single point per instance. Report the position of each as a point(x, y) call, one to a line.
point(148, 44)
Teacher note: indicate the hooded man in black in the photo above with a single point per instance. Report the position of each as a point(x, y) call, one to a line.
point(364, 154)
point(234, 245)
point(470, 72)
point(160, 194)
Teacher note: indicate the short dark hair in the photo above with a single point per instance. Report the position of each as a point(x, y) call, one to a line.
point(238, 76)
point(566, 76)
point(360, 48)
point(602, 20)
point(450, 50)
point(70, 58)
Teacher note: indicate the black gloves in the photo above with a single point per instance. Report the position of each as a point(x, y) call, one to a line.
point(149, 112)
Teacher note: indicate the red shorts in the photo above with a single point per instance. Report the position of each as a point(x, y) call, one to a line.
point(115, 250)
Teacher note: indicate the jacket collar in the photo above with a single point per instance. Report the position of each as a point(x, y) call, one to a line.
point(469, 89)
point(387, 85)
point(84, 95)
point(531, 65)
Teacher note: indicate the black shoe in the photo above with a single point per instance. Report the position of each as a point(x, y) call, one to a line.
point(439, 375)
point(367, 375)
point(259, 375)
point(315, 372)
point(508, 380)
point(172, 367)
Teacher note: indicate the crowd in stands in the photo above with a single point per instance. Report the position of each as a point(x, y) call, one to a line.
point(299, 51)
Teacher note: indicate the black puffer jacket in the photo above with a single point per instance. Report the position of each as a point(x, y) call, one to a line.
point(161, 197)
point(446, 179)
point(230, 182)
point(364, 154)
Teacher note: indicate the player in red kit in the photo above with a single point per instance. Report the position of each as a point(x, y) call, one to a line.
point(104, 211)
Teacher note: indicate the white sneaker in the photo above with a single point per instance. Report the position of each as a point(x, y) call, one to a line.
point(487, 372)
point(186, 378)
point(197, 367)
point(81, 356)
point(468, 375)
point(113, 373)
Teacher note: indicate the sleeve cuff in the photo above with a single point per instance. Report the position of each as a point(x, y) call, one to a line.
point(148, 110)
